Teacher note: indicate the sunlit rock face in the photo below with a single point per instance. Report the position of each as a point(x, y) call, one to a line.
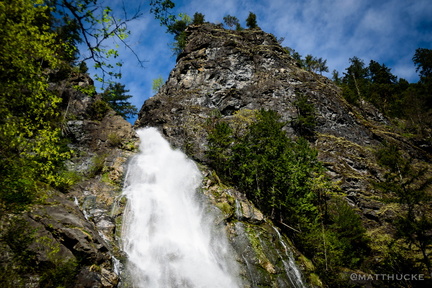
point(224, 73)
point(228, 71)
point(102, 144)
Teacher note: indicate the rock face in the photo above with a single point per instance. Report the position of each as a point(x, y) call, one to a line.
point(265, 256)
point(226, 73)
point(102, 142)
point(70, 238)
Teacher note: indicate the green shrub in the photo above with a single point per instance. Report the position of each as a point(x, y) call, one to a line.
point(97, 166)
point(198, 19)
point(98, 109)
point(114, 139)
point(275, 172)
point(306, 120)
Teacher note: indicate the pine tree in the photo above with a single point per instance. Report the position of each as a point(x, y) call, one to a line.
point(198, 19)
point(410, 188)
point(231, 21)
point(251, 21)
point(115, 96)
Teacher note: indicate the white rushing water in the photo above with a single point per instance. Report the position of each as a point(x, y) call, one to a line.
point(291, 269)
point(168, 234)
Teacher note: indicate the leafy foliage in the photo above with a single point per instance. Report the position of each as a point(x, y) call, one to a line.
point(309, 63)
point(161, 10)
point(198, 18)
point(313, 64)
point(219, 143)
point(157, 84)
point(408, 104)
point(296, 55)
point(423, 61)
point(90, 23)
point(30, 141)
point(98, 109)
point(177, 28)
point(273, 170)
point(306, 121)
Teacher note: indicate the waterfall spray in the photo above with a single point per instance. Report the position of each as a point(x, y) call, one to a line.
point(168, 234)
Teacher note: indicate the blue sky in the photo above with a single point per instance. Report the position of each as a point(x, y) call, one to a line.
point(387, 31)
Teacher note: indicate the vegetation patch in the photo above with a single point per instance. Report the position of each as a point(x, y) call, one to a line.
point(284, 179)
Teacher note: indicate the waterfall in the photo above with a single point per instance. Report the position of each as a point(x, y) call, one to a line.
point(169, 235)
point(291, 269)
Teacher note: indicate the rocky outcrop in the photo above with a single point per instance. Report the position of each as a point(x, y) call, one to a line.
point(102, 142)
point(227, 71)
point(224, 74)
point(70, 237)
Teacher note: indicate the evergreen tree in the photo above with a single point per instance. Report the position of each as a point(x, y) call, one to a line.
point(251, 21)
point(336, 78)
point(231, 21)
point(355, 80)
point(309, 63)
point(286, 181)
point(273, 170)
point(198, 19)
point(380, 74)
point(408, 186)
point(305, 122)
point(115, 96)
point(295, 55)
point(219, 142)
point(314, 64)
point(321, 65)
point(423, 62)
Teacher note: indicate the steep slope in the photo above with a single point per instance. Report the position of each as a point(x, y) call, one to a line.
point(225, 73)
point(68, 238)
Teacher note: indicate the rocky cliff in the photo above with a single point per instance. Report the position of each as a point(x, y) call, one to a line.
point(229, 73)
point(69, 238)
point(102, 142)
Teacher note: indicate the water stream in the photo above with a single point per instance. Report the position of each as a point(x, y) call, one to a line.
point(168, 233)
point(291, 269)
